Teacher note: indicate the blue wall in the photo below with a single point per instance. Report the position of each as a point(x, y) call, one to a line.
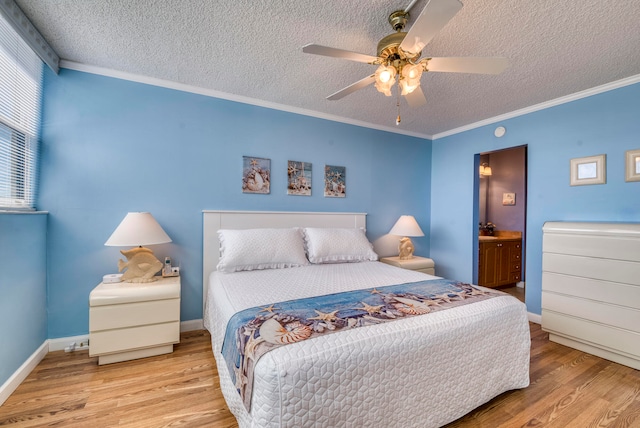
point(23, 289)
point(112, 146)
point(606, 123)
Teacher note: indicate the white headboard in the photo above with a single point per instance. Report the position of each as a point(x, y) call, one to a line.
point(215, 220)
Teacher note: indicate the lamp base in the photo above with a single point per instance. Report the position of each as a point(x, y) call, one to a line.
point(405, 249)
point(141, 265)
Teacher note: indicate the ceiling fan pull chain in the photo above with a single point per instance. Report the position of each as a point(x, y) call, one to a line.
point(398, 103)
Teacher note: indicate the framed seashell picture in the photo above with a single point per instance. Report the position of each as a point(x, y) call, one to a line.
point(335, 181)
point(299, 178)
point(256, 175)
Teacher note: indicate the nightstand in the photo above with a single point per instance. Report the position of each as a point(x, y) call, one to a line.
point(130, 320)
point(419, 264)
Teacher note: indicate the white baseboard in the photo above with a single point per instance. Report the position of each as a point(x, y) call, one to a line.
point(535, 318)
point(520, 284)
point(191, 325)
point(62, 342)
point(23, 371)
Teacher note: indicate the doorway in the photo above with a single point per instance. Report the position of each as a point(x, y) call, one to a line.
point(500, 196)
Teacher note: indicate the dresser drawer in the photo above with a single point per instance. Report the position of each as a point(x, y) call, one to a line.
point(592, 332)
point(133, 314)
point(112, 341)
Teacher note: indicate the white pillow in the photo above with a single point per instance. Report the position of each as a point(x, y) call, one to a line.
point(251, 249)
point(338, 245)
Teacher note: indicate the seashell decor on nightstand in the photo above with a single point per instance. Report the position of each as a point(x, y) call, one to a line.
point(141, 265)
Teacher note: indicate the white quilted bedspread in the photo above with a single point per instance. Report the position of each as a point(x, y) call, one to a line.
point(422, 371)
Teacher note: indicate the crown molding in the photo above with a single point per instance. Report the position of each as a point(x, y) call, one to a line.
point(312, 113)
point(92, 69)
point(547, 104)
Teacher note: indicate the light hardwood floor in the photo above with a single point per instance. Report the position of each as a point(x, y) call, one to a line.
point(568, 389)
point(516, 292)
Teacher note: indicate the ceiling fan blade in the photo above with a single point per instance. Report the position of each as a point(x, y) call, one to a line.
point(352, 88)
point(492, 65)
point(432, 19)
point(416, 98)
point(338, 53)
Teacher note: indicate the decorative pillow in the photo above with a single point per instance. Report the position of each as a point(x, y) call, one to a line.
point(338, 245)
point(252, 249)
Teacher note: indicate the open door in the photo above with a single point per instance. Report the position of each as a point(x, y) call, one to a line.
point(500, 200)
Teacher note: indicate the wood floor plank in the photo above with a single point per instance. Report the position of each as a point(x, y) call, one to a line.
point(568, 389)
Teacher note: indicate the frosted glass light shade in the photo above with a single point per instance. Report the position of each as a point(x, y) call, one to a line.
point(137, 229)
point(385, 78)
point(410, 78)
point(406, 226)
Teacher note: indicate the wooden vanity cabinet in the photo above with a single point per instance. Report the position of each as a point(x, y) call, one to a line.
point(500, 262)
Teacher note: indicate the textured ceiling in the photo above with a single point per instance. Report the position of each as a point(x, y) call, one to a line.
point(252, 48)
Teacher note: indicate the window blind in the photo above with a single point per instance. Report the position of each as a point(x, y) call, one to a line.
point(20, 98)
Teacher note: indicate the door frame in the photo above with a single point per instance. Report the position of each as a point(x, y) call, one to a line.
point(475, 259)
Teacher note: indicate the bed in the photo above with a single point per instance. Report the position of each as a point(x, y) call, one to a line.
point(423, 371)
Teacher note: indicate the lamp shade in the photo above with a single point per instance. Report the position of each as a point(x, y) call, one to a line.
point(137, 229)
point(406, 226)
point(485, 170)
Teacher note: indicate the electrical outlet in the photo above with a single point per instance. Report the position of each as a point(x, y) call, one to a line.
point(77, 346)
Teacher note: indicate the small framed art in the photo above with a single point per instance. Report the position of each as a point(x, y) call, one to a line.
point(335, 179)
point(508, 199)
point(256, 175)
point(588, 170)
point(299, 181)
point(632, 165)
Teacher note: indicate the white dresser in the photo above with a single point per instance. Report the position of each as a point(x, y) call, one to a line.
point(591, 288)
point(129, 320)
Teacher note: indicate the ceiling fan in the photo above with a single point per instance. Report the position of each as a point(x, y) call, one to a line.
point(399, 55)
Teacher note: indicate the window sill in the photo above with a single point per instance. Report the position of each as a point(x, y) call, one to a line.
point(22, 212)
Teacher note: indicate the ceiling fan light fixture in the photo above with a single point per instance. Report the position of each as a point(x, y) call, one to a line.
point(385, 79)
point(412, 73)
point(399, 55)
point(410, 79)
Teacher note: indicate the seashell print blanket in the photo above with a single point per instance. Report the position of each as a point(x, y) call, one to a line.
point(253, 332)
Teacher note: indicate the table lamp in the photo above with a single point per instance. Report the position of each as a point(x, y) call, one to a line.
point(138, 229)
point(406, 226)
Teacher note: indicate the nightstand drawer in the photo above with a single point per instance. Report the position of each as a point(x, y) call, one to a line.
point(416, 263)
point(111, 341)
point(133, 314)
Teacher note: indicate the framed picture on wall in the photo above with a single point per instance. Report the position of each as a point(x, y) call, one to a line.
point(299, 178)
point(256, 175)
point(588, 170)
point(335, 181)
point(632, 165)
point(508, 199)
